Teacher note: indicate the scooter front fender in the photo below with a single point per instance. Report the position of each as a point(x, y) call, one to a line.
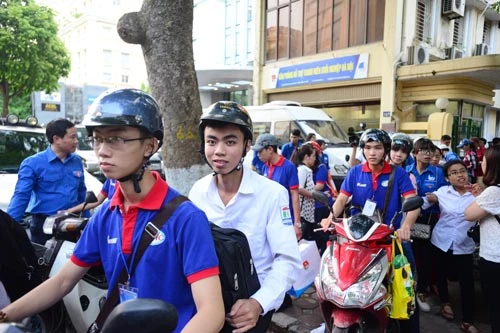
point(345, 318)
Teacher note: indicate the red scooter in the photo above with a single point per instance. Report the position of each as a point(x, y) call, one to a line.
point(352, 282)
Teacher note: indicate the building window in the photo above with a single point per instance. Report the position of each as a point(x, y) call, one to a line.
point(458, 32)
point(124, 78)
point(424, 21)
point(296, 28)
point(125, 60)
point(106, 76)
point(486, 32)
point(107, 57)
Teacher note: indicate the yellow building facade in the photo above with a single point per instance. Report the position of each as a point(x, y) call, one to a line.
point(384, 63)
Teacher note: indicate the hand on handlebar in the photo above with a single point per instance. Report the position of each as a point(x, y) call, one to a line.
point(326, 224)
point(404, 233)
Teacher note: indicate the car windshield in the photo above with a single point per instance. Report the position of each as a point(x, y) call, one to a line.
point(16, 145)
point(326, 130)
point(82, 139)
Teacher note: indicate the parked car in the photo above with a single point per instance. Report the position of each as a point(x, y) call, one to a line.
point(156, 163)
point(281, 117)
point(18, 141)
point(87, 154)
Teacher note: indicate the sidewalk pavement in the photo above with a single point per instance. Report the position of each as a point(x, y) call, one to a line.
point(304, 315)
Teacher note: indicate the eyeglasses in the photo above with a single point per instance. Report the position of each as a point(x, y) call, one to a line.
point(114, 142)
point(458, 172)
point(425, 152)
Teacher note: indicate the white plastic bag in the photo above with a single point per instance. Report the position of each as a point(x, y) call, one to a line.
point(310, 267)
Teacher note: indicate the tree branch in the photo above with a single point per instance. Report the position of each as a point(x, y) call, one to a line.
point(130, 28)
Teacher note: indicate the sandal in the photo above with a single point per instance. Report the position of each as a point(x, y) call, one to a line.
point(468, 328)
point(447, 312)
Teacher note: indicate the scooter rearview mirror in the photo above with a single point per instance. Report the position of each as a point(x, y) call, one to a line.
point(143, 315)
point(412, 203)
point(320, 197)
point(90, 197)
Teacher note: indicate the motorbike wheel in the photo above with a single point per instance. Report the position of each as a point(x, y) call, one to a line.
point(35, 324)
point(49, 321)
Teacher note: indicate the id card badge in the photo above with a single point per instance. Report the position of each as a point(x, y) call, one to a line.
point(369, 208)
point(127, 292)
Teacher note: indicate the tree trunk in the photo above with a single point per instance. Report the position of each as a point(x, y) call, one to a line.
point(164, 30)
point(4, 87)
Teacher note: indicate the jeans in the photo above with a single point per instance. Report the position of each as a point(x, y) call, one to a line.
point(36, 229)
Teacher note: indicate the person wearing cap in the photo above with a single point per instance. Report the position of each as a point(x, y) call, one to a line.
point(52, 180)
point(180, 266)
point(235, 196)
point(295, 141)
point(281, 170)
point(469, 159)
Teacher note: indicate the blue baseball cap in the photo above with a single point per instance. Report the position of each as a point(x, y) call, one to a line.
point(463, 143)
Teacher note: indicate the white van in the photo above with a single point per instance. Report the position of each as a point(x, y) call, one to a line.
point(281, 117)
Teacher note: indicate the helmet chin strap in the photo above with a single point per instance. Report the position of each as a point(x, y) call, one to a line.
point(135, 177)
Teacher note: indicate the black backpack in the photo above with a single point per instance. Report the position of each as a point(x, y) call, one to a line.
point(238, 276)
point(19, 271)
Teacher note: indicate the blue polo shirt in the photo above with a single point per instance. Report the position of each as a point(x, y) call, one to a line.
point(324, 159)
point(257, 163)
point(429, 181)
point(285, 173)
point(288, 148)
point(45, 185)
point(320, 176)
point(364, 185)
point(182, 254)
point(108, 188)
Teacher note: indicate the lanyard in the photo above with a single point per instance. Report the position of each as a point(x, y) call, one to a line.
point(128, 267)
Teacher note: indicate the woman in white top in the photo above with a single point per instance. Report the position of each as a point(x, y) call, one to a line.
point(486, 209)
point(452, 247)
point(304, 158)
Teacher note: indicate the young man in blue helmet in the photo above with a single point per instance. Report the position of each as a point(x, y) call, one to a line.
point(234, 196)
point(180, 266)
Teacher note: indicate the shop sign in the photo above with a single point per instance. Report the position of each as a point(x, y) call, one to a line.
point(324, 71)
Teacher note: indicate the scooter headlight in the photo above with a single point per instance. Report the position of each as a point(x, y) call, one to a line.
point(367, 289)
point(361, 293)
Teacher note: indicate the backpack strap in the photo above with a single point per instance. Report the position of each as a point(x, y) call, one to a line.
point(388, 192)
point(150, 232)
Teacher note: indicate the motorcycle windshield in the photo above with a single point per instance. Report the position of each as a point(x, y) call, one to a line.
point(359, 225)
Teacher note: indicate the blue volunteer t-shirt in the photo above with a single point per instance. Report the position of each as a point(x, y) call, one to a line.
point(181, 254)
point(285, 173)
point(429, 180)
point(365, 185)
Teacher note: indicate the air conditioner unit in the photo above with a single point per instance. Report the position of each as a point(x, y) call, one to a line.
point(481, 49)
point(418, 54)
point(453, 8)
point(454, 53)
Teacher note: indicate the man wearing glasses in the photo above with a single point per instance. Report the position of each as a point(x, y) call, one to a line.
point(429, 179)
